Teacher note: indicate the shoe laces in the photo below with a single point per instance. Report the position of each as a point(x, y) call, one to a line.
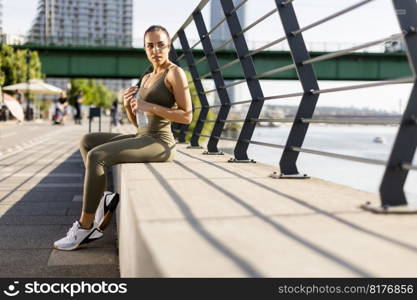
point(72, 232)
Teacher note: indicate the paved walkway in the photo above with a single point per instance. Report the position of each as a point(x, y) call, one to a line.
point(41, 180)
point(199, 216)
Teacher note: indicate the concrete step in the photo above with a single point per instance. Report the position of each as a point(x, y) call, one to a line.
point(200, 216)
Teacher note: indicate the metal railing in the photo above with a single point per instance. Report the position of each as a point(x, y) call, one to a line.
point(400, 161)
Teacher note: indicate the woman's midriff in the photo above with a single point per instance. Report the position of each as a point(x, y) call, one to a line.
point(159, 128)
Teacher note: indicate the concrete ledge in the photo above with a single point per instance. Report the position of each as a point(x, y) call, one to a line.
point(200, 216)
point(133, 254)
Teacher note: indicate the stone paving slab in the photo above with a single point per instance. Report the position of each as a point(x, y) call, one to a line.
point(10, 210)
point(35, 196)
point(37, 220)
point(77, 271)
point(28, 230)
point(29, 242)
point(23, 257)
point(38, 183)
point(90, 256)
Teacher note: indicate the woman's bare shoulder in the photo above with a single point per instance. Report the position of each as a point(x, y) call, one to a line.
point(175, 71)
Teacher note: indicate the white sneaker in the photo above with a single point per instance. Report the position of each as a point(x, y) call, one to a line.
point(78, 237)
point(106, 207)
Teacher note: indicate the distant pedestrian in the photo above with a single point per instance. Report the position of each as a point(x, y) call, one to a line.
point(114, 112)
point(63, 103)
point(19, 96)
point(78, 101)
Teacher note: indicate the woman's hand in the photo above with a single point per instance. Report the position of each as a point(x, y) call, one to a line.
point(143, 105)
point(128, 96)
point(133, 105)
point(140, 104)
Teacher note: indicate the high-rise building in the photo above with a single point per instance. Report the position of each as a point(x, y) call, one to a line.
point(84, 22)
point(1, 16)
point(222, 34)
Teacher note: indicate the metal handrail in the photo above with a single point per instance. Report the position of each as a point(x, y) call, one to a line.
point(312, 151)
point(349, 50)
point(339, 13)
point(361, 86)
point(408, 167)
point(256, 51)
point(341, 120)
point(304, 65)
point(308, 61)
point(322, 91)
point(224, 19)
point(341, 156)
point(256, 22)
point(199, 7)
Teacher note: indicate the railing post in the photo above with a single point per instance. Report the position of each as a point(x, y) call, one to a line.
point(199, 87)
point(219, 82)
point(254, 86)
point(393, 198)
point(308, 81)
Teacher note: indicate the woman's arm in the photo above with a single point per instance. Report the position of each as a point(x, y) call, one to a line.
point(184, 113)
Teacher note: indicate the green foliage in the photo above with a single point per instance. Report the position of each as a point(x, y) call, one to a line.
point(35, 66)
point(208, 126)
point(93, 93)
point(8, 69)
point(14, 68)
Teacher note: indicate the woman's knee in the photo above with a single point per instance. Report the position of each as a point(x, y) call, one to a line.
point(96, 162)
point(84, 141)
point(95, 156)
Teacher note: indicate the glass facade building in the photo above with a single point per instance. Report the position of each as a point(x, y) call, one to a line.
point(84, 23)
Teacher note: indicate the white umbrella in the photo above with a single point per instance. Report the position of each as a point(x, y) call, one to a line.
point(14, 106)
point(35, 86)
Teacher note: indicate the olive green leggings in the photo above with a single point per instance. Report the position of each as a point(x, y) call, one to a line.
point(101, 149)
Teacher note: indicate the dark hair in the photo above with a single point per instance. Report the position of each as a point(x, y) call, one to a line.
point(152, 29)
point(156, 28)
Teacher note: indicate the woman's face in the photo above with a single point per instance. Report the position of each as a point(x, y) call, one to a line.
point(157, 47)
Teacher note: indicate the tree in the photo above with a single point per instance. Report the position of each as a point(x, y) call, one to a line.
point(8, 66)
point(13, 65)
point(208, 126)
point(35, 66)
point(94, 93)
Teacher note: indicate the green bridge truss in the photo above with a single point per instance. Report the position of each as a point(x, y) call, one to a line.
point(106, 62)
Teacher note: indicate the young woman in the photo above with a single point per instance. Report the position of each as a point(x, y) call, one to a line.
point(164, 97)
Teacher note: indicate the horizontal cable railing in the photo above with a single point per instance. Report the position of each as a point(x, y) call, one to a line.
point(328, 18)
point(322, 91)
point(340, 120)
point(340, 156)
point(350, 50)
point(301, 61)
point(408, 167)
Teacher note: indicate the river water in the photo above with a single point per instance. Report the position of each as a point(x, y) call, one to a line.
point(355, 140)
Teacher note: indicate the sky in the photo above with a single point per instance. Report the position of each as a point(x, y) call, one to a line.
point(376, 19)
point(370, 22)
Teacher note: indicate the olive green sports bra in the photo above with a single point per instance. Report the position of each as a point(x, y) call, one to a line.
point(157, 92)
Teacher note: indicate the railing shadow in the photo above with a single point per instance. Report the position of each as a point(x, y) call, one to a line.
point(243, 265)
point(197, 226)
point(35, 213)
point(307, 205)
